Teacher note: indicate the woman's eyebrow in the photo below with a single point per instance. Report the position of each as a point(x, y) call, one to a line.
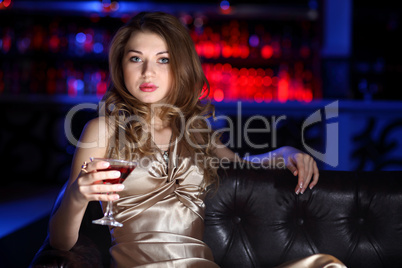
point(135, 51)
point(162, 52)
point(139, 52)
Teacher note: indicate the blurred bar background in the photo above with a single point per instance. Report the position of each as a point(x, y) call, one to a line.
point(281, 59)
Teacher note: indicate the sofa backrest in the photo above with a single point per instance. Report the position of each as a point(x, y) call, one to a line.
point(254, 218)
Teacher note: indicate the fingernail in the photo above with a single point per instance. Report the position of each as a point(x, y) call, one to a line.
point(105, 164)
point(294, 172)
point(116, 196)
point(302, 191)
point(116, 174)
point(120, 186)
point(301, 185)
point(298, 190)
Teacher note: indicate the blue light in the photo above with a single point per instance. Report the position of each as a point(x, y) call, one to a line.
point(70, 149)
point(80, 38)
point(24, 211)
point(80, 6)
point(254, 41)
point(225, 5)
point(79, 85)
point(363, 85)
point(313, 4)
point(98, 48)
point(106, 2)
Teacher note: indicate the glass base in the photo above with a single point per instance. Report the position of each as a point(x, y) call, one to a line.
point(108, 221)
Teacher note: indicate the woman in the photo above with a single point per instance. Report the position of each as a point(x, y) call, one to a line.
point(153, 113)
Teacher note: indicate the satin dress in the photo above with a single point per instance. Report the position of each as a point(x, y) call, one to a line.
point(162, 211)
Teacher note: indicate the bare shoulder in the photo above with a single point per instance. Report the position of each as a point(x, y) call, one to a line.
point(93, 143)
point(98, 123)
point(96, 130)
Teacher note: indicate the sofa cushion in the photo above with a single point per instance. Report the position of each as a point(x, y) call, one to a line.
point(254, 218)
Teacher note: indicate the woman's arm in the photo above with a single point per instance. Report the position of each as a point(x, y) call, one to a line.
point(298, 162)
point(82, 187)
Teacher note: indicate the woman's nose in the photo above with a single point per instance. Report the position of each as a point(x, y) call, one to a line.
point(148, 69)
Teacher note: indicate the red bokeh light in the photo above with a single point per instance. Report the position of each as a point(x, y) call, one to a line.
point(283, 90)
point(209, 49)
point(275, 81)
point(54, 43)
point(236, 51)
point(7, 43)
point(245, 52)
point(308, 95)
point(226, 51)
point(249, 84)
point(258, 81)
point(267, 81)
point(101, 88)
point(219, 95)
point(267, 52)
point(5, 3)
point(227, 67)
point(268, 96)
point(259, 97)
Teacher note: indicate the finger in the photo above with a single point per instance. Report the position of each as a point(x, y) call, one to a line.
point(104, 197)
point(308, 161)
point(98, 177)
point(301, 172)
point(290, 165)
point(97, 165)
point(95, 189)
point(316, 176)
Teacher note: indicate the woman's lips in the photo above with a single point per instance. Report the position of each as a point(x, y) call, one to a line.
point(148, 87)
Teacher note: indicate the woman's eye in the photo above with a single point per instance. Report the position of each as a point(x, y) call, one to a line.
point(164, 60)
point(135, 59)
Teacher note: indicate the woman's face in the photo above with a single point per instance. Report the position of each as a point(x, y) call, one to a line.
point(146, 67)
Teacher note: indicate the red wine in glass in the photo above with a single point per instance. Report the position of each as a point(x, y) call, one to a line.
point(125, 168)
point(124, 171)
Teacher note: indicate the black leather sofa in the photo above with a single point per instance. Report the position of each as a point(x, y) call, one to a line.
point(254, 219)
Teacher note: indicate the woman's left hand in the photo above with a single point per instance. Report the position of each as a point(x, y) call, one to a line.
point(303, 166)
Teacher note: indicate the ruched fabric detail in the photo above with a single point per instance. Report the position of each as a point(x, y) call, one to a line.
point(162, 212)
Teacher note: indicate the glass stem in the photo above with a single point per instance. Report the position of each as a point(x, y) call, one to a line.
point(109, 209)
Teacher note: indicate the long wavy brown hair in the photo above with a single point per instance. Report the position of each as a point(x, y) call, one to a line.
point(187, 99)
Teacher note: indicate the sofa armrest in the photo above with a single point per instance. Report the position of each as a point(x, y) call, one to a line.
point(84, 254)
point(91, 249)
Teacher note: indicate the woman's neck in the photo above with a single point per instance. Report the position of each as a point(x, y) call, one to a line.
point(157, 123)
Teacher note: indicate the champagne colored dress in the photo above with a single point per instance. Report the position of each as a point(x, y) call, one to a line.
point(162, 211)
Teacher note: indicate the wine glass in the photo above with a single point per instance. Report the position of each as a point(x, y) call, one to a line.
point(125, 168)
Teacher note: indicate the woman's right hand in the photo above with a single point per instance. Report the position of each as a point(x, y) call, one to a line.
point(89, 185)
point(83, 187)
